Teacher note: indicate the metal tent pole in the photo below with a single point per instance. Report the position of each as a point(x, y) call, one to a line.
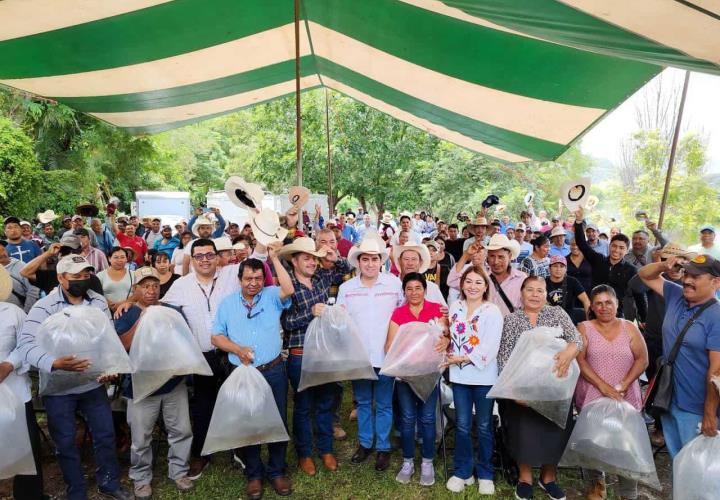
point(298, 115)
point(329, 156)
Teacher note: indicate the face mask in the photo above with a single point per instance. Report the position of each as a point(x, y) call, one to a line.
point(78, 288)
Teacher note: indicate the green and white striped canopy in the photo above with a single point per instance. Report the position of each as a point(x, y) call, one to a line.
point(515, 80)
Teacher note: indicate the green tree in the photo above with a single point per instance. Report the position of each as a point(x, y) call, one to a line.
point(19, 172)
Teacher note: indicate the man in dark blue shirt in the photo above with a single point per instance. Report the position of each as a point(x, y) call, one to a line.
point(17, 247)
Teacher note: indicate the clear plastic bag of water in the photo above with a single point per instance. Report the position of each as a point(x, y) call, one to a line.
point(245, 413)
point(163, 347)
point(696, 470)
point(611, 436)
point(412, 357)
point(333, 351)
point(16, 457)
point(87, 333)
point(528, 375)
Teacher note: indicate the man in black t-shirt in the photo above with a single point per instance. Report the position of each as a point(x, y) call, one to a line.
point(562, 290)
point(454, 242)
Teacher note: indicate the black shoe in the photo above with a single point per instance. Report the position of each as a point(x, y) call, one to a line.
point(119, 494)
point(552, 490)
point(523, 491)
point(360, 455)
point(382, 460)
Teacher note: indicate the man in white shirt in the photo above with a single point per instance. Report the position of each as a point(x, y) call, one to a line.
point(154, 233)
point(370, 298)
point(366, 226)
point(707, 244)
point(406, 225)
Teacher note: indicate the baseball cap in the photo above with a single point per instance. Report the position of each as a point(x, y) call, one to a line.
point(593, 227)
point(25, 223)
point(520, 226)
point(82, 232)
point(703, 264)
point(70, 240)
point(76, 217)
point(558, 259)
point(707, 227)
point(73, 264)
point(145, 272)
point(11, 220)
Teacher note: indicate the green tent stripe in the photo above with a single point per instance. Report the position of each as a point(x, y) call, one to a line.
point(155, 129)
point(489, 134)
point(555, 21)
point(189, 94)
point(157, 32)
point(488, 57)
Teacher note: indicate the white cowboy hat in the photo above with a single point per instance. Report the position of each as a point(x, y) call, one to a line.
point(500, 241)
point(529, 198)
point(298, 196)
point(370, 245)
point(500, 208)
point(557, 231)
point(266, 227)
point(202, 220)
point(592, 202)
point(422, 250)
point(387, 218)
point(574, 193)
point(5, 284)
point(222, 243)
point(47, 216)
point(244, 194)
point(301, 245)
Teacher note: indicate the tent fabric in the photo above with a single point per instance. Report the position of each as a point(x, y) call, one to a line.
point(515, 80)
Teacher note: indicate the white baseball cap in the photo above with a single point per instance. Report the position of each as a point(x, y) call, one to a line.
point(73, 264)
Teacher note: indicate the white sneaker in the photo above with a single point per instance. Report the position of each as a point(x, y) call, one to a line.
point(486, 487)
point(406, 472)
point(456, 485)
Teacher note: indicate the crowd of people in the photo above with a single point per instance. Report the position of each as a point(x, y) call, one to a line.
point(248, 294)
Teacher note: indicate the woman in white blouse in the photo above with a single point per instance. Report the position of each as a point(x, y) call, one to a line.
point(475, 333)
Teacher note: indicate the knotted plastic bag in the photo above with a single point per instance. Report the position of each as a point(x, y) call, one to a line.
point(696, 470)
point(245, 413)
point(163, 347)
point(611, 436)
point(528, 375)
point(412, 357)
point(333, 351)
point(16, 457)
point(87, 333)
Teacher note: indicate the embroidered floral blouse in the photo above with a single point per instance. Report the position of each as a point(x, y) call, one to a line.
point(476, 335)
point(517, 323)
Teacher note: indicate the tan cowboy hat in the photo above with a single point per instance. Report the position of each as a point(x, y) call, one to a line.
point(244, 194)
point(387, 218)
point(5, 284)
point(500, 241)
point(266, 227)
point(202, 220)
point(370, 245)
point(301, 245)
point(592, 202)
point(575, 193)
point(47, 216)
point(676, 250)
point(500, 209)
point(479, 221)
point(557, 231)
point(298, 196)
point(422, 250)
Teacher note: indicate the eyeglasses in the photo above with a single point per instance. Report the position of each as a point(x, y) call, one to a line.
point(204, 256)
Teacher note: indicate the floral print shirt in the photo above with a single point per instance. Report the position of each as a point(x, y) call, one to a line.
point(477, 336)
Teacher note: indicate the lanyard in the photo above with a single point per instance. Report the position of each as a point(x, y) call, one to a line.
point(207, 297)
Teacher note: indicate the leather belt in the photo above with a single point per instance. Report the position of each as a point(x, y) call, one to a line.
point(270, 364)
point(296, 351)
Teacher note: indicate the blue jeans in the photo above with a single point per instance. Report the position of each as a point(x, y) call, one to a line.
point(679, 428)
point(465, 396)
point(254, 468)
point(374, 425)
point(95, 409)
point(413, 409)
point(318, 400)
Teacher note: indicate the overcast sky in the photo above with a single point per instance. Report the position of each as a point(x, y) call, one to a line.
point(702, 114)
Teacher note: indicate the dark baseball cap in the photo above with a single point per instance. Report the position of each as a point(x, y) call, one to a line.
point(11, 220)
point(82, 232)
point(703, 264)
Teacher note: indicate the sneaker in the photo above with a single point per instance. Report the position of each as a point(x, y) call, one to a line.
point(183, 484)
point(523, 491)
point(119, 494)
point(486, 487)
point(552, 490)
point(427, 474)
point(406, 472)
point(143, 492)
point(456, 485)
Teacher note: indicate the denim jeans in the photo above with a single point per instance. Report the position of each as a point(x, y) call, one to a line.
point(413, 409)
point(374, 424)
point(277, 464)
point(95, 409)
point(317, 401)
point(679, 428)
point(465, 396)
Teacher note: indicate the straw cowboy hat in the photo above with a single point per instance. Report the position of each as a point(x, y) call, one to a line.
point(500, 241)
point(592, 202)
point(387, 218)
point(301, 245)
point(266, 227)
point(47, 216)
point(369, 245)
point(557, 231)
point(244, 194)
point(676, 250)
point(298, 196)
point(422, 250)
point(575, 193)
point(479, 221)
point(87, 210)
point(5, 284)
point(202, 220)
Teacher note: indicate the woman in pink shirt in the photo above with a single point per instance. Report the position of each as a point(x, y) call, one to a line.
point(416, 309)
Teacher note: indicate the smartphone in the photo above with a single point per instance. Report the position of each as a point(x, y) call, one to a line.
point(641, 215)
